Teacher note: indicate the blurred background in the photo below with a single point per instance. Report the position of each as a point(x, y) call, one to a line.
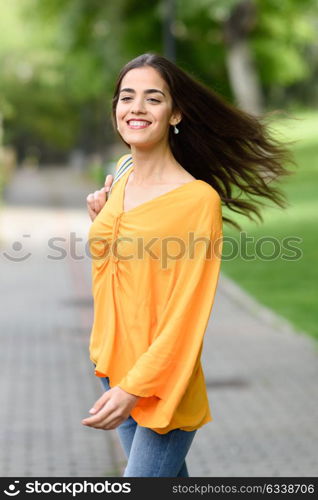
point(59, 60)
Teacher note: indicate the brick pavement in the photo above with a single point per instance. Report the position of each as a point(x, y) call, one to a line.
point(47, 380)
point(261, 377)
point(261, 374)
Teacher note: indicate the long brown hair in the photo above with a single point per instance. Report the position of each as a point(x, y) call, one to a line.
point(226, 147)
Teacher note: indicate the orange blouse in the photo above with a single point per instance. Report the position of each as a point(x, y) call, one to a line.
point(155, 270)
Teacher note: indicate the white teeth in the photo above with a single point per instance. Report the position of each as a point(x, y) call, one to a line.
point(135, 123)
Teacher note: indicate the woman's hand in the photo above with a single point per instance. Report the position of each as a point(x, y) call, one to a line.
point(111, 409)
point(96, 201)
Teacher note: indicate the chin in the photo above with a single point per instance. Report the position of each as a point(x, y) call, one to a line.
point(140, 143)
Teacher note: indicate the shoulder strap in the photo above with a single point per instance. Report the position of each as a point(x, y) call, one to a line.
point(124, 164)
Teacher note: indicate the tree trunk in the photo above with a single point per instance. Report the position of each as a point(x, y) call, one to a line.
point(242, 73)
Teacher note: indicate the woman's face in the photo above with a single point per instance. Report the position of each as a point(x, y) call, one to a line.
point(144, 108)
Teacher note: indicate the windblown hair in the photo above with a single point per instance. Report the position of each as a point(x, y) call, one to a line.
point(226, 147)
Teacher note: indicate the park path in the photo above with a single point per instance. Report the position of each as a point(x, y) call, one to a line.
point(260, 373)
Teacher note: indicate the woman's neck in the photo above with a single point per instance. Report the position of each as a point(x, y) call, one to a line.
point(153, 166)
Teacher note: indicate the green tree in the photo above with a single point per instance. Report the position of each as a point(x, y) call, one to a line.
point(262, 42)
point(59, 59)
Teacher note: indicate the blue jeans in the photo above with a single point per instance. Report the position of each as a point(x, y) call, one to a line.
point(150, 454)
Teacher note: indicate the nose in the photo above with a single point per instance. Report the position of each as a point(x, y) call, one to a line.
point(138, 106)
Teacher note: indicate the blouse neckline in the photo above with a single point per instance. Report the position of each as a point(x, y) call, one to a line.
point(153, 200)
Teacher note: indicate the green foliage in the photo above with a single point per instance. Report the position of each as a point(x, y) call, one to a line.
point(141, 24)
point(59, 58)
point(269, 57)
point(284, 30)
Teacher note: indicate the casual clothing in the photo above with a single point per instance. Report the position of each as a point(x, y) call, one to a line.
point(151, 454)
point(153, 286)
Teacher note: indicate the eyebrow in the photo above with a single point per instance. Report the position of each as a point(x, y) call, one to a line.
point(147, 91)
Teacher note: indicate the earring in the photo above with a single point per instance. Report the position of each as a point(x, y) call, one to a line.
point(176, 130)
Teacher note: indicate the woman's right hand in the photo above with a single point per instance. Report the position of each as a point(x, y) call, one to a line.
point(96, 201)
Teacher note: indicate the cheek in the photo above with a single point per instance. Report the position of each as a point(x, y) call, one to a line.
point(120, 111)
point(164, 115)
point(164, 120)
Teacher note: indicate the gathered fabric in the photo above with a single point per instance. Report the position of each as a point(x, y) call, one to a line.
point(155, 270)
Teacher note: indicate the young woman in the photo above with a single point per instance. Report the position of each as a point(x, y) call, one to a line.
point(156, 245)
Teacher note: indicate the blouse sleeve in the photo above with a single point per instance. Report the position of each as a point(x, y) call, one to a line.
point(165, 368)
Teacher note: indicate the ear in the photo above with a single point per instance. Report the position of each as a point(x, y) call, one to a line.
point(176, 118)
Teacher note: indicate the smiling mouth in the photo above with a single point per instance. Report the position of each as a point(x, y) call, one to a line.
point(137, 124)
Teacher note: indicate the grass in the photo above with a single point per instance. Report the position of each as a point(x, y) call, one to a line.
point(286, 283)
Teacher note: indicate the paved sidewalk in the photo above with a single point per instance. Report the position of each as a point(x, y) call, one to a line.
point(47, 381)
point(263, 392)
point(261, 375)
